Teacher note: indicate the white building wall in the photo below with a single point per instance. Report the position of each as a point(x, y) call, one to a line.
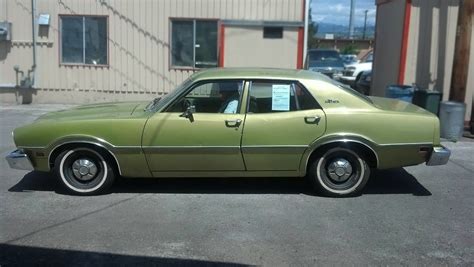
point(138, 41)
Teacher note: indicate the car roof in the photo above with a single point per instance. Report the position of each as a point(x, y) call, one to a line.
point(322, 50)
point(256, 73)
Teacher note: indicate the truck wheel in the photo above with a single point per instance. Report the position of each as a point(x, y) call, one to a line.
point(84, 171)
point(339, 172)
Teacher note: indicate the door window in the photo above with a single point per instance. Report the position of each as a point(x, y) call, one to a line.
point(212, 97)
point(279, 96)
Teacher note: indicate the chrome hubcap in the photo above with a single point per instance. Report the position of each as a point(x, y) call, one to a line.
point(84, 169)
point(339, 170)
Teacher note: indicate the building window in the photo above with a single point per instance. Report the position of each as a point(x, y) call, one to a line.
point(84, 40)
point(194, 43)
point(273, 32)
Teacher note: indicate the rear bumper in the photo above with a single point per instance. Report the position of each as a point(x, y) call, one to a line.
point(439, 156)
point(19, 160)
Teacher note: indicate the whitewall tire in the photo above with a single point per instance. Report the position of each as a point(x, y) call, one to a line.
point(339, 172)
point(84, 171)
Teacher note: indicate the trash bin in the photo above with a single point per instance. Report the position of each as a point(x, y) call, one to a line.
point(427, 99)
point(400, 92)
point(451, 117)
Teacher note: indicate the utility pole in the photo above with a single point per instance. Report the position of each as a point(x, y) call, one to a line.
point(365, 25)
point(351, 20)
point(462, 52)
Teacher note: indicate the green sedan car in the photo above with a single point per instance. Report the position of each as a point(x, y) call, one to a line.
point(234, 123)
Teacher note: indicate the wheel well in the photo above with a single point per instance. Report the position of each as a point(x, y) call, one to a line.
point(362, 150)
point(104, 152)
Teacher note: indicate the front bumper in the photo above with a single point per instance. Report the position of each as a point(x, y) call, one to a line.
point(348, 78)
point(439, 156)
point(19, 160)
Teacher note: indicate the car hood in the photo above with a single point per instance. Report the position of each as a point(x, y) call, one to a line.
point(394, 105)
point(98, 111)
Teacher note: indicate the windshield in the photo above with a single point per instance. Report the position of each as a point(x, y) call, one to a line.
point(369, 58)
point(160, 102)
point(324, 58)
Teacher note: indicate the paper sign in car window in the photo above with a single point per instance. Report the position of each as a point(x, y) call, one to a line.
point(281, 97)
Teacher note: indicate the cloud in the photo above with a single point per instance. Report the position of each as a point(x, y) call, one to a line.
point(338, 11)
point(338, 8)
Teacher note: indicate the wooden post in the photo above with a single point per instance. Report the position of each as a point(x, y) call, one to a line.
point(462, 52)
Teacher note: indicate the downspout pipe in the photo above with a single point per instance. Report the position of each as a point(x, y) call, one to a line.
point(306, 24)
point(33, 32)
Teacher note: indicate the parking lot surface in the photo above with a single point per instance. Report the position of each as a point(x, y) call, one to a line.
point(414, 216)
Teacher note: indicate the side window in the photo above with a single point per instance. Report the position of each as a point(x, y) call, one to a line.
point(212, 97)
point(279, 96)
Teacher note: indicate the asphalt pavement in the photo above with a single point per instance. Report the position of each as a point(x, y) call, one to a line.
point(413, 216)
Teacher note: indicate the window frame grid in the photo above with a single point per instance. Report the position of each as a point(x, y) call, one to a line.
point(170, 37)
point(60, 35)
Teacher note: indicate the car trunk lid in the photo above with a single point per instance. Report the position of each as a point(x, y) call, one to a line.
point(394, 105)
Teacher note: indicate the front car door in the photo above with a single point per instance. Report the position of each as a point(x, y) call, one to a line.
point(282, 120)
point(207, 141)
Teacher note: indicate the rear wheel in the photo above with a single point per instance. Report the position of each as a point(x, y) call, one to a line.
point(339, 172)
point(84, 171)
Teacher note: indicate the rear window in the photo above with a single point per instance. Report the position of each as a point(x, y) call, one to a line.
point(324, 55)
point(351, 91)
point(325, 58)
point(279, 96)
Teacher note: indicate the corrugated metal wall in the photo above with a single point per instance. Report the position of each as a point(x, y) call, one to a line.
point(138, 41)
point(388, 42)
point(431, 43)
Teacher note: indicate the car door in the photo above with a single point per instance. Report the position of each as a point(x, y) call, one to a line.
point(282, 120)
point(207, 140)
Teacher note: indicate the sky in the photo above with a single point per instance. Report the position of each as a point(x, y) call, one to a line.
point(337, 11)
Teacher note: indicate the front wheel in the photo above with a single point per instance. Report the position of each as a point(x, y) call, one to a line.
point(339, 172)
point(84, 171)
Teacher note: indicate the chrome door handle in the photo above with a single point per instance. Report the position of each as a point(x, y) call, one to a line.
point(312, 119)
point(233, 123)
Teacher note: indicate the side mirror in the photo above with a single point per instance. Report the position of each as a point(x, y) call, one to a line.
point(188, 113)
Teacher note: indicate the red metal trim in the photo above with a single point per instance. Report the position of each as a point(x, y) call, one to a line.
point(405, 36)
point(300, 44)
point(221, 45)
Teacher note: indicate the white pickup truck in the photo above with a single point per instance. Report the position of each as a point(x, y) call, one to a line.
point(352, 72)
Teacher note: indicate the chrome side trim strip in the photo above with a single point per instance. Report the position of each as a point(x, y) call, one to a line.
point(282, 149)
point(31, 147)
point(277, 146)
point(406, 144)
point(192, 149)
point(90, 143)
point(339, 138)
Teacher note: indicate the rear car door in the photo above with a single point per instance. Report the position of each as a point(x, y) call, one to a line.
point(282, 120)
